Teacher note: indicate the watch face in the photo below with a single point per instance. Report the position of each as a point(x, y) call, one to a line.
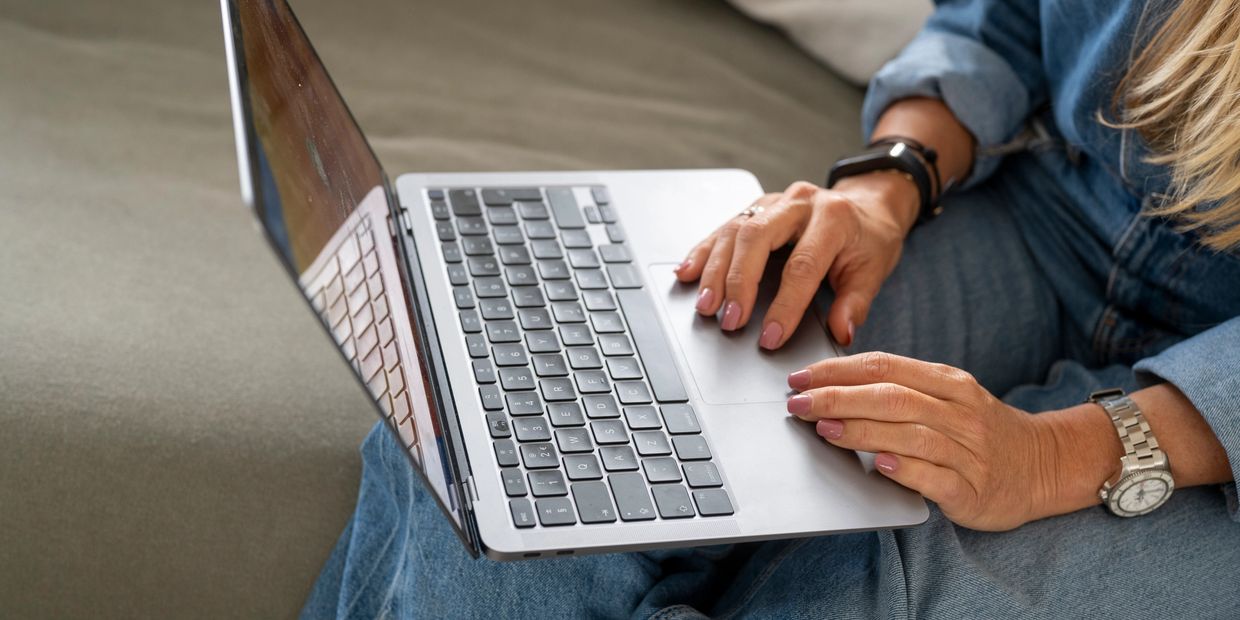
point(1143, 495)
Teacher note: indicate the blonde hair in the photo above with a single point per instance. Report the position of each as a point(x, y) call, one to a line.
point(1182, 94)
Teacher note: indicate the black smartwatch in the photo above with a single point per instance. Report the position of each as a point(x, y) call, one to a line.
point(903, 155)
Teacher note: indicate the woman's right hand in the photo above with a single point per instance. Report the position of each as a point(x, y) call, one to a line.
point(851, 235)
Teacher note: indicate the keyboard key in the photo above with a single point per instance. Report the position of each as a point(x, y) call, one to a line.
point(535, 229)
point(593, 502)
point(590, 279)
point(614, 254)
point(471, 226)
point(484, 372)
point(504, 196)
point(592, 382)
point(527, 297)
point(565, 414)
point(615, 344)
point(519, 378)
point(495, 309)
point(641, 417)
point(523, 403)
point(539, 456)
point(548, 484)
point(439, 210)
point(583, 259)
point(558, 389)
point(534, 318)
point(435, 194)
point(615, 233)
point(568, 312)
point(656, 355)
point(477, 346)
point(522, 512)
point(582, 467)
point(601, 406)
point(464, 298)
point(607, 322)
point(471, 323)
point(600, 195)
point(700, 475)
point(564, 207)
point(497, 423)
point(509, 354)
point(508, 236)
point(622, 368)
point(713, 502)
point(576, 334)
point(673, 501)
point(610, 433)
point(553, 270)
point(531, 429)
point(520, 275)
point(545, 249)
point(576, 239)
point(598, 300)
point(503, 331)
point(502, 216)
point(632, 392)
point(514, 482)
point(573, 440)
point(618, 458)
point(632, 498)
point(542, 342)
point(490, 287)
point(490, 398)
point(691, 448)
point(580, 358)
point(477, 246)
point(661, 469)
point(561, 290)
point(623, 276)
point(592, 214)
point(680, 419)
point(464, 202)
point(608, 214)
point(514, 255)
point(550, 365)
point(451, 252)
point(506, 453)
point(457, 274)
point(483, 266)
point(555, 511)
point(445, 231)
point(651, 443)
point(532, 210)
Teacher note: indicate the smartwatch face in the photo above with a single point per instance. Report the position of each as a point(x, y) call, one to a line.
point(1143, 495)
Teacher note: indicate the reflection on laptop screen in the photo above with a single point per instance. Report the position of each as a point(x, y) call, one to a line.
point(320, 194)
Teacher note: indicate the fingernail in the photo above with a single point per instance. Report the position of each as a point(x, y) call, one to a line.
point(799, 404)
point(852, 333)
point(888, 463)
point(831, 429)
point(770, 336)
point(706, 299)
point(799, 380)
point(685, 265)
point(731, 316)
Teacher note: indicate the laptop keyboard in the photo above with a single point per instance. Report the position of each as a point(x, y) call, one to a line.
point(588, 416)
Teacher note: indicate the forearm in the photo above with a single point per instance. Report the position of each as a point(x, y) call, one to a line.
point(1086, 449)
point(932, 123)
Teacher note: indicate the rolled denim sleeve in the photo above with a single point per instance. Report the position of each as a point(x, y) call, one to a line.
point(1206, 368)
point(982, 58)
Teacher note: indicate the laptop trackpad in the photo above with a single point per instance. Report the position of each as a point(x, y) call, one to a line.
point(728, 367)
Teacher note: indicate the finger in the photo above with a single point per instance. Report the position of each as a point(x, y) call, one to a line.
point(941, 485)
point(691, 268)
point(807, 265)
point(881, 402)
point(937, 380)
point(710, 288)
point(916, 440)
point(756, 238)
point(853, 296)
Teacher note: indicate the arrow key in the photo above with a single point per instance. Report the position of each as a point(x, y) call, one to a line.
point(673, 501)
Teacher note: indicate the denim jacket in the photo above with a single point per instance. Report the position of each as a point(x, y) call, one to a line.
point(1162, 303)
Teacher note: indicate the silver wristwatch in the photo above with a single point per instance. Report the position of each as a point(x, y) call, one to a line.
point(1144, 480)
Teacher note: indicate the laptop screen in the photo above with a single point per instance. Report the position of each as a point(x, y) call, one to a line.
point(321, 196)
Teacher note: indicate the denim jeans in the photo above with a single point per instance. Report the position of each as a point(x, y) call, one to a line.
point(999, 286)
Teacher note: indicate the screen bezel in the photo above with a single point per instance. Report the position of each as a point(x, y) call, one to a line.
point(421, 320)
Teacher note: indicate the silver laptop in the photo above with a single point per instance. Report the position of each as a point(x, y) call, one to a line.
point(523, 335)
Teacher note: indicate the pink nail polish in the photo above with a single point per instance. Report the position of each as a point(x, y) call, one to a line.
point(831, 429)
point(706, 299)
point(685, 265)
point(799, 404)
point(799, 380)
point(731, 316)
point(770, 336)
point(887, 463)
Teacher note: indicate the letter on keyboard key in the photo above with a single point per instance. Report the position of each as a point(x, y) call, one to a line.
point(564, 207)
point(632, 392)
point(582, 467)
point(565, 414)
point(593, 502)
point(557, 389)
point(555, 511)
point(632, 498)
point(673, 501)
point(618, 458)
point(651, 443)
point(652, 344)
point(573, 440)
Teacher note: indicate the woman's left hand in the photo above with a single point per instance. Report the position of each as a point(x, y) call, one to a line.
point(987, 465)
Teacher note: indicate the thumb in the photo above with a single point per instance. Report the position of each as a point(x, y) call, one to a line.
point(853, 296)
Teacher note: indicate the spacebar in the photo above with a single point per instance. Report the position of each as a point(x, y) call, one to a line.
point(652, 345)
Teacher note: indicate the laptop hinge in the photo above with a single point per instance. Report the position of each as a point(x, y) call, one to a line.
point(471, 493)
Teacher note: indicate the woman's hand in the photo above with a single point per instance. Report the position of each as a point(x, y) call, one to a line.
point(851, 234)
point(987, 465)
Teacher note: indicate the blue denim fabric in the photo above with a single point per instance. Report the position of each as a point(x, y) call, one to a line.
point(1007, 284)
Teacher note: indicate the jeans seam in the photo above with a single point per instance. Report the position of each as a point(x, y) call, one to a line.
point(763, 578)
point(672, 611)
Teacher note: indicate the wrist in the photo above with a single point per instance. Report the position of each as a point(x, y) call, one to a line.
point(893, 194)
point(1079, 451)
